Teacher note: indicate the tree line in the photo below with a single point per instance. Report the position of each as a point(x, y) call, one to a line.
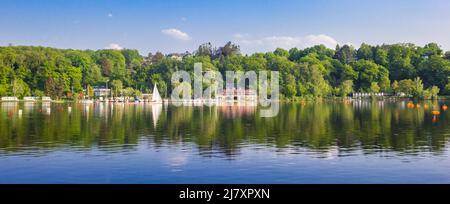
point(316, 71)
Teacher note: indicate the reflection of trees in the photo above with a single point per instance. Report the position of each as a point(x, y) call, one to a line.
point(372, 126)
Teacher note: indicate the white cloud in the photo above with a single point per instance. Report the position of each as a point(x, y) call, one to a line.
point(110, 15)
point(114, 46)
point(177, 34)
point(286, 42)
point(240, 35)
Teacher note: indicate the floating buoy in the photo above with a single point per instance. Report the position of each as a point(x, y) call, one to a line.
point(435, 112)
point(425, 106)
point(418, 106)
point(410, 105)
point(444, 107)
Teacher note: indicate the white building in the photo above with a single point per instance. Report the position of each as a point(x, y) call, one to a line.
point(30, 98)
point(101, 92)
point(9, 98)
point(46, 98)
point(233, 94)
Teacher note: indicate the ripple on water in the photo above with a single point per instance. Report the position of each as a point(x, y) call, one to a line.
point(326, 142)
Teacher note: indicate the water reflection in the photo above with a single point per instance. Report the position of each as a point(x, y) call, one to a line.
point(322, 129)
point(156, 112)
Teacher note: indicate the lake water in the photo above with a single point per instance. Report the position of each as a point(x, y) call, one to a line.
point(323, 142)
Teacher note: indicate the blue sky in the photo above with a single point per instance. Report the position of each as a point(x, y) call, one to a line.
point(257, 25)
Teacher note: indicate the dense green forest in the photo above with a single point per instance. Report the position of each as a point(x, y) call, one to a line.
point(317, 71)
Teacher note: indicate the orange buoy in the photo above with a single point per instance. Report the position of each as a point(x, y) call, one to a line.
point(435, 112)
point(444, 107)
point(418, 105)
point(425, 106)
point(410, 105)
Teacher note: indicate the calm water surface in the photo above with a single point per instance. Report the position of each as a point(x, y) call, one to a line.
point(327, 142)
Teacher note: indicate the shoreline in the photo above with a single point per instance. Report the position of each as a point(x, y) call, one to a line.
point(282, 100)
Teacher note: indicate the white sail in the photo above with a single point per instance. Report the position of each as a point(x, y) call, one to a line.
point(155, 96)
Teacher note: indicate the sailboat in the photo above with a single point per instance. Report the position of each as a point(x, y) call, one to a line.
point(156, 98)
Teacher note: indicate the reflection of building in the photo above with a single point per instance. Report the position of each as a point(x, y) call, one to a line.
point(9, 106)
point(233, 94)
point(233, 111)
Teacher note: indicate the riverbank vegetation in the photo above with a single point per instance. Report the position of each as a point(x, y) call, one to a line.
point(421, 72)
